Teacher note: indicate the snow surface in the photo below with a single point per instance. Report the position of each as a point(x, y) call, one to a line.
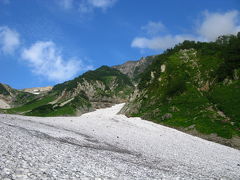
point(104, 145)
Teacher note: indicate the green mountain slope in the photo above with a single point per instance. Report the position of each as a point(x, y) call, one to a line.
point(100, 88)
point(194, 87)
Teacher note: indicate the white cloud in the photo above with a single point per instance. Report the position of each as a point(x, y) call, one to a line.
point(153, 28)
point(9, 40)
point(216, 24)
point(211, 26)
point(155, 41)
point(66, 4)
point(86, 6)
point(104, 4)
point(159, 42)
point(46, 60)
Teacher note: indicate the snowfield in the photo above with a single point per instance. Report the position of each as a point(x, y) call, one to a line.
point(104, 145)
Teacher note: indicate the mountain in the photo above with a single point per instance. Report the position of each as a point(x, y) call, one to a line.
point(105, 84)
point(100, 88)
point(10, 97)
point(194, 87)
point(133, 69)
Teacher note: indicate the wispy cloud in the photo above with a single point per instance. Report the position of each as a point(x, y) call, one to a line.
point(9, 40)
point(159, 42)
point(210, 27)
point(217, 24)
point(103, 4)
point(153, 28)
point(46, 60)
point(86, 6)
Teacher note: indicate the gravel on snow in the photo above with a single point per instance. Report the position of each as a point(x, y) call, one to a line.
point(104, 145)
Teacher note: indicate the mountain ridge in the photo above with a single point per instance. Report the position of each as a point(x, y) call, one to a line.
point(95, 89)
point(134, 68)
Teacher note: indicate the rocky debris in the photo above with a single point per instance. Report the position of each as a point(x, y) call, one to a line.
point(104, 145)
point(32, 154)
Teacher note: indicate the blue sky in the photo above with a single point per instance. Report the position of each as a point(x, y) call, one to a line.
point(44, 42)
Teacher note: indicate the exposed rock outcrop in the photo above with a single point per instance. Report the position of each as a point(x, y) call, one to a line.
point(134, 68)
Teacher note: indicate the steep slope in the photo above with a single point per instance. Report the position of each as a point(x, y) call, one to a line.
point(102, 87)
point(10, 97)
point(133, 69)
point(194, 87)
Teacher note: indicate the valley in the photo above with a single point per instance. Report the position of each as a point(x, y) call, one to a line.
point(193, 87)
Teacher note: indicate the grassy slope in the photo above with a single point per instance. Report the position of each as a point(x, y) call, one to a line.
point(32, 104)
point(226, 98)
point(69, 109)
point(177, 97)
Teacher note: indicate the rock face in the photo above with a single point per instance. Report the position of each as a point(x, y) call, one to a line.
point(134, 68)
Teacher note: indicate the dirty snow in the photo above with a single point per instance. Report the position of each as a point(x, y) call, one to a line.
point(104, 145)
